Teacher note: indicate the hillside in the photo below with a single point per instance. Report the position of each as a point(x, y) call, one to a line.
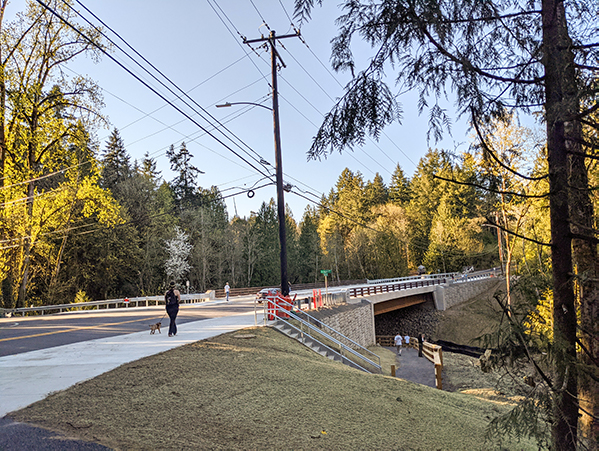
point(262, 392)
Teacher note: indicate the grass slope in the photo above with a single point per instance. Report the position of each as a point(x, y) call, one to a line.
point(266, 392)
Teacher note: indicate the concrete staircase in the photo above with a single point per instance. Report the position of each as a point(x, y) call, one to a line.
point(313, 344)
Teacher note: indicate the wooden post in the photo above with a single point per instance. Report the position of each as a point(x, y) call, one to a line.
point(438, 371)
point(392, 370)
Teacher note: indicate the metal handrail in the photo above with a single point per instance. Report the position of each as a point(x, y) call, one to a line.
point(367, 290)
point(322, 325)
point(341, 345)
point(358, 345)
point(405, 283)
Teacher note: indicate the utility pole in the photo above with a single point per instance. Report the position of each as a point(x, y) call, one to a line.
point(272, 40)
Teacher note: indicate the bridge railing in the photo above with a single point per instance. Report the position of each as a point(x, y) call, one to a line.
point(142, 301)
point(368, 290)
point(477, 275)
point(448, 275)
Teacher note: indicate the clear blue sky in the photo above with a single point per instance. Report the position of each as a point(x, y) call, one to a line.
point(189, 42)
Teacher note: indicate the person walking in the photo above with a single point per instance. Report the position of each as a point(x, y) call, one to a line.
point(227, 289)
point(172, 298)
point(406, 341)
point(398, 339)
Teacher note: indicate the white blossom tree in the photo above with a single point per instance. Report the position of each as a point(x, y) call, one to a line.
point(178, 249)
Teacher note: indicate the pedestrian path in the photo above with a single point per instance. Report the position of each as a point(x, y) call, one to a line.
point(414, 368)
point(29, 377)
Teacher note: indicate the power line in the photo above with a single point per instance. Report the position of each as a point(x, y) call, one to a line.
point(287, 14)
point(264, 76)
point(260, 15)
point(179, 97)
point(147, 85)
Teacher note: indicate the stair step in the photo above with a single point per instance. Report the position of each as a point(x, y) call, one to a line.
point(311, 343)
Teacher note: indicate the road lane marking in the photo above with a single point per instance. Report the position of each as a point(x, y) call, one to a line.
point(71, 330)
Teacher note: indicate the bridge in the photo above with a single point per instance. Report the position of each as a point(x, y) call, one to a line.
point(444, 290)
point(385, 294)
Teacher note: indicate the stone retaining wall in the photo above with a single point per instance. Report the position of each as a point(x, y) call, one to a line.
point(449, 295)
point(355, 321)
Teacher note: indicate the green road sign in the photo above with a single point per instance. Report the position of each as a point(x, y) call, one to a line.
point(326, 272)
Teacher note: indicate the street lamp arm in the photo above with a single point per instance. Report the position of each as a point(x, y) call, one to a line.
point(228, 104)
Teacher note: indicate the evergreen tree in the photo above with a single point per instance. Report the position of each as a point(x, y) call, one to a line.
point(426, 195)
point(116, 166)
point(148, 169)
point(267, 269)
point(184, 185)
point(375, 193)
point(309, 254)
point(399, 189)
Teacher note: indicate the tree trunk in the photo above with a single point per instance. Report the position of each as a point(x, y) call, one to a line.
point(561, 104)
point(587, 272)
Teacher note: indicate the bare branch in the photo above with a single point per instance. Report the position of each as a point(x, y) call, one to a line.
point(492, 224)
point(507, 193)
point(488, 149)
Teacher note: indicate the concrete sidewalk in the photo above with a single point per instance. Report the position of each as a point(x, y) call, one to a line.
point(29, 377)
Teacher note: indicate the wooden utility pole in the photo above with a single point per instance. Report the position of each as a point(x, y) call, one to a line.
point(272, 40)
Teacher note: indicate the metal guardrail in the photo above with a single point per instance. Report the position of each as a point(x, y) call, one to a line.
point(142, 301)
point(318, 328)
point(477, 275)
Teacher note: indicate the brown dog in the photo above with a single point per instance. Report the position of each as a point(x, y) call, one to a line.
point(155, 327)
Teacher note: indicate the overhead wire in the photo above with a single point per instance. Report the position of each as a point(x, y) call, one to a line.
point(260, 15)
point(177, 88)
point(155, 91)
point(145, 115)
point(264, 76)
point(330, 98)
point(140, 80)
point(302, 38)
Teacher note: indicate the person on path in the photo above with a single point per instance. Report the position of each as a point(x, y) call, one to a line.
point(398, 339)
point(406, 341)
point(227, 289)
point(172, 298)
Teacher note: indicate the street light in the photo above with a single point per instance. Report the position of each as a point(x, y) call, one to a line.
point(228, 104)
point(279, 178)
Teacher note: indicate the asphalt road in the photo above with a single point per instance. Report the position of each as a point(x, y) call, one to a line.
point(30, 333)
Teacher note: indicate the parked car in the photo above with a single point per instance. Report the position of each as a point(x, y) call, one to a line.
point(264, 292)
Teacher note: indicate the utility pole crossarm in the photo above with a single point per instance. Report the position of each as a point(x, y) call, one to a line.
point(262, 39)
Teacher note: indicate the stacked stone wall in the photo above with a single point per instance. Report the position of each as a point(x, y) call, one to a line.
point(355, 321)
point(457, 293)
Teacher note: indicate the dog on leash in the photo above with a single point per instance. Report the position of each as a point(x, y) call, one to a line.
point(155, 327)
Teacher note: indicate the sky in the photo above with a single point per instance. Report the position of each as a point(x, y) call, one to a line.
point(196, 44)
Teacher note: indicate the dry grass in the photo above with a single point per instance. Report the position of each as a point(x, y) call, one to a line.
point(266, 392)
